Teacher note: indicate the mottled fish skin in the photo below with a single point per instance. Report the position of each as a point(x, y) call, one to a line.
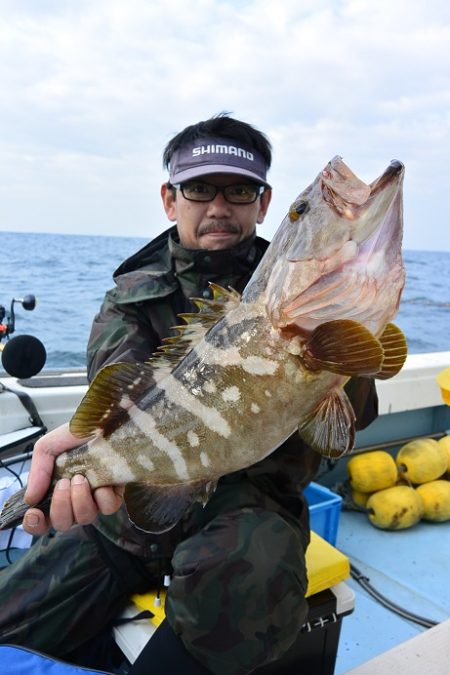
point(256, 368)
point(204, 419)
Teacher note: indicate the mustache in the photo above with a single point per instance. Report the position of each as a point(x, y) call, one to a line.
point(219, 226)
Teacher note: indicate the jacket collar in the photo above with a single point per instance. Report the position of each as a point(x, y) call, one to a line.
point(157, 269)
point(229, 261)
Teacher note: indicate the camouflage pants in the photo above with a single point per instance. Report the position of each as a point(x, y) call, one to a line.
point(237, 593)
point(61, 592)
point(236, 597)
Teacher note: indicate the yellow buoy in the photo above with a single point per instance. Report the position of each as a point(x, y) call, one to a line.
point(396, 508)
point(436, 500)
point(360, 498)
point(371, 471)
point(443, 380)
point(445, 443)
point(422, 460)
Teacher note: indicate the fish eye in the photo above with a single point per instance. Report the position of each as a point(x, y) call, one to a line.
point(298, 209)
point(301, 208)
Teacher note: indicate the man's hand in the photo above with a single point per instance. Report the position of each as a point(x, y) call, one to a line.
point(73, 501)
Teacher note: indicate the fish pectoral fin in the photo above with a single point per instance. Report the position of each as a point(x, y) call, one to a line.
point(158, 508)
point(330, 429)
point(345, 347)
point(395, 350)
point(110, 394)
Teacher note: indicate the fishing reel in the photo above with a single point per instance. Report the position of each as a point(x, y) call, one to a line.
point(24, 355)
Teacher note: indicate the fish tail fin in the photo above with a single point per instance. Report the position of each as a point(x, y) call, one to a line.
point(15, 508)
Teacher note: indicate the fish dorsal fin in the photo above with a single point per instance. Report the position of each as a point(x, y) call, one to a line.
point(110, 394)
point(117, 386)
point(330, 429)
point(345, 347)
point(197, 324)
point(395, 350)
point(158, 508)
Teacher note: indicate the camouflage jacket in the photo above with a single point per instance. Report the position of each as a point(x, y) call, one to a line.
point(152, 287)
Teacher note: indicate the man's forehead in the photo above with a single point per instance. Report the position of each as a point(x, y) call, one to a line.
point(223, 179)
point(216, 156)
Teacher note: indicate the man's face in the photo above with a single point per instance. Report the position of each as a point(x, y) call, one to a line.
point(217, 224)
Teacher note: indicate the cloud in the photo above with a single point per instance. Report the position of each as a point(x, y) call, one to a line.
point(91, 92)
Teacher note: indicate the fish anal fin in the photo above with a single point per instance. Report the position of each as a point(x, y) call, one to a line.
point(110, 394)
point(345, 347)
point(157, 509)
point(395, 350)
point(330, 429)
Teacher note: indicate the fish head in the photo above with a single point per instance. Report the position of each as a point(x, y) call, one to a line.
point(337, 253)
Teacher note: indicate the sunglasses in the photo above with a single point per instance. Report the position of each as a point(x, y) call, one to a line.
point(241, 193)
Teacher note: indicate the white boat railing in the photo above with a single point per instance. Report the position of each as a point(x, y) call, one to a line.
point(413, 390)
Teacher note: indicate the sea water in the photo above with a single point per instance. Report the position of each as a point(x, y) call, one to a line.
point(69, 275)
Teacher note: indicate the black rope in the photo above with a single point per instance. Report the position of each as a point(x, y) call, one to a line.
point(7, 550)
point(29, 406)
point(364, 581)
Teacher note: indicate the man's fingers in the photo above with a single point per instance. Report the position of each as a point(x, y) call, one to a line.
point(109, 499)
point(83, 504)
point(45, 452)
point(39, 478)
point(73, 502)
point(35, 522)
point(61, 514)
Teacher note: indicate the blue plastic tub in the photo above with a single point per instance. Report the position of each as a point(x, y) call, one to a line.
point(324, 511)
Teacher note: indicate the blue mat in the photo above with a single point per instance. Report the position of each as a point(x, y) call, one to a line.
point(18, 660)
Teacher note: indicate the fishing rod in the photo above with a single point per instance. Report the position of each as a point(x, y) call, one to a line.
point(24, 355)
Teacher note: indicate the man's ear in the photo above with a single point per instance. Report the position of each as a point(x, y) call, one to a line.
point(264, 205)
point(168, 200)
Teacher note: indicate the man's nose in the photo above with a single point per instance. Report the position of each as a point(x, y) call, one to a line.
point(219, 205)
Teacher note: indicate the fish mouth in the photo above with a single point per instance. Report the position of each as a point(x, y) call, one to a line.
point(345, 249)
point(349, 196)
point(394, 171)
point(384, 208)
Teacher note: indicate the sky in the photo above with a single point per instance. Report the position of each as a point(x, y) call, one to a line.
point(92, 90)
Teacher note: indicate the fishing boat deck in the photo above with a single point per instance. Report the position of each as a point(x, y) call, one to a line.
point(410, 568)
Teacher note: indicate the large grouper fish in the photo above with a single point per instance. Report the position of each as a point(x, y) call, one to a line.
point(244, 373)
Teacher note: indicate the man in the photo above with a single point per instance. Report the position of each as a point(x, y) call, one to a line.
point(237, 566)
